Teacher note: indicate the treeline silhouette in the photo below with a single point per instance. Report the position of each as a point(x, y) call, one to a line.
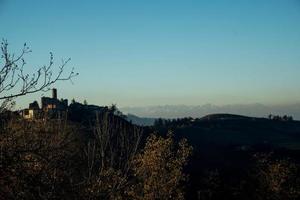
point(188, 121)
point(280, 118)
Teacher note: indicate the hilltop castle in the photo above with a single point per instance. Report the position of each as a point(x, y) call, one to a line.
point(50, 107)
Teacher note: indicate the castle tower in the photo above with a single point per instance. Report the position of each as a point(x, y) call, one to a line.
point(54, 93)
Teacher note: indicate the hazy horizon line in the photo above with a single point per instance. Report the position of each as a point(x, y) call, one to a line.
point(213, 104)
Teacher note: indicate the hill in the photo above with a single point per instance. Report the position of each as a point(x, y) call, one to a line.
point(235, 130)
point(225, 117)
point(141, 121)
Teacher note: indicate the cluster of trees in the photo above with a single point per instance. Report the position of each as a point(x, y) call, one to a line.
point(186, 121)
point(280, 118)
point(266, 178)
point(111, 159)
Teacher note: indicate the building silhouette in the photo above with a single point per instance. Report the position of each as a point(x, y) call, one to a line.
point(51, 107)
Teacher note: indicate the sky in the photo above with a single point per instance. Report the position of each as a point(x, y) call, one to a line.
point(163, 52)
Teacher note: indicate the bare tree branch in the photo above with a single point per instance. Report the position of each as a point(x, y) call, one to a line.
point(15, 82)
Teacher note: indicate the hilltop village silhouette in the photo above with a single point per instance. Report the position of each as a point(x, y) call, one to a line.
point(54, 108)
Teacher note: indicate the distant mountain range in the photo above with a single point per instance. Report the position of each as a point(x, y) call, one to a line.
point(180, 111)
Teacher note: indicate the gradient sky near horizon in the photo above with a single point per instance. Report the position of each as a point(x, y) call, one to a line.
point(138, 53)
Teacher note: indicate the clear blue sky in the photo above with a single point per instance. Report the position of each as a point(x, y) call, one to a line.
point(159, 52)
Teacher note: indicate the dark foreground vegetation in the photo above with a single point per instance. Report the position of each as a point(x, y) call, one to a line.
point(238, 157)
point(107, 157)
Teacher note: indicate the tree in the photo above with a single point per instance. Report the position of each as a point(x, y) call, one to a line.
point(109, 156)
point(113, 109)
point(276, 178)
point(15, 81)
point(73, 101)
point(159, 169)
point(38, 160)
point(85, 102)
point(159, 122)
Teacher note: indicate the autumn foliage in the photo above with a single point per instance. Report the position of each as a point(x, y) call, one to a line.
point(159, 169)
